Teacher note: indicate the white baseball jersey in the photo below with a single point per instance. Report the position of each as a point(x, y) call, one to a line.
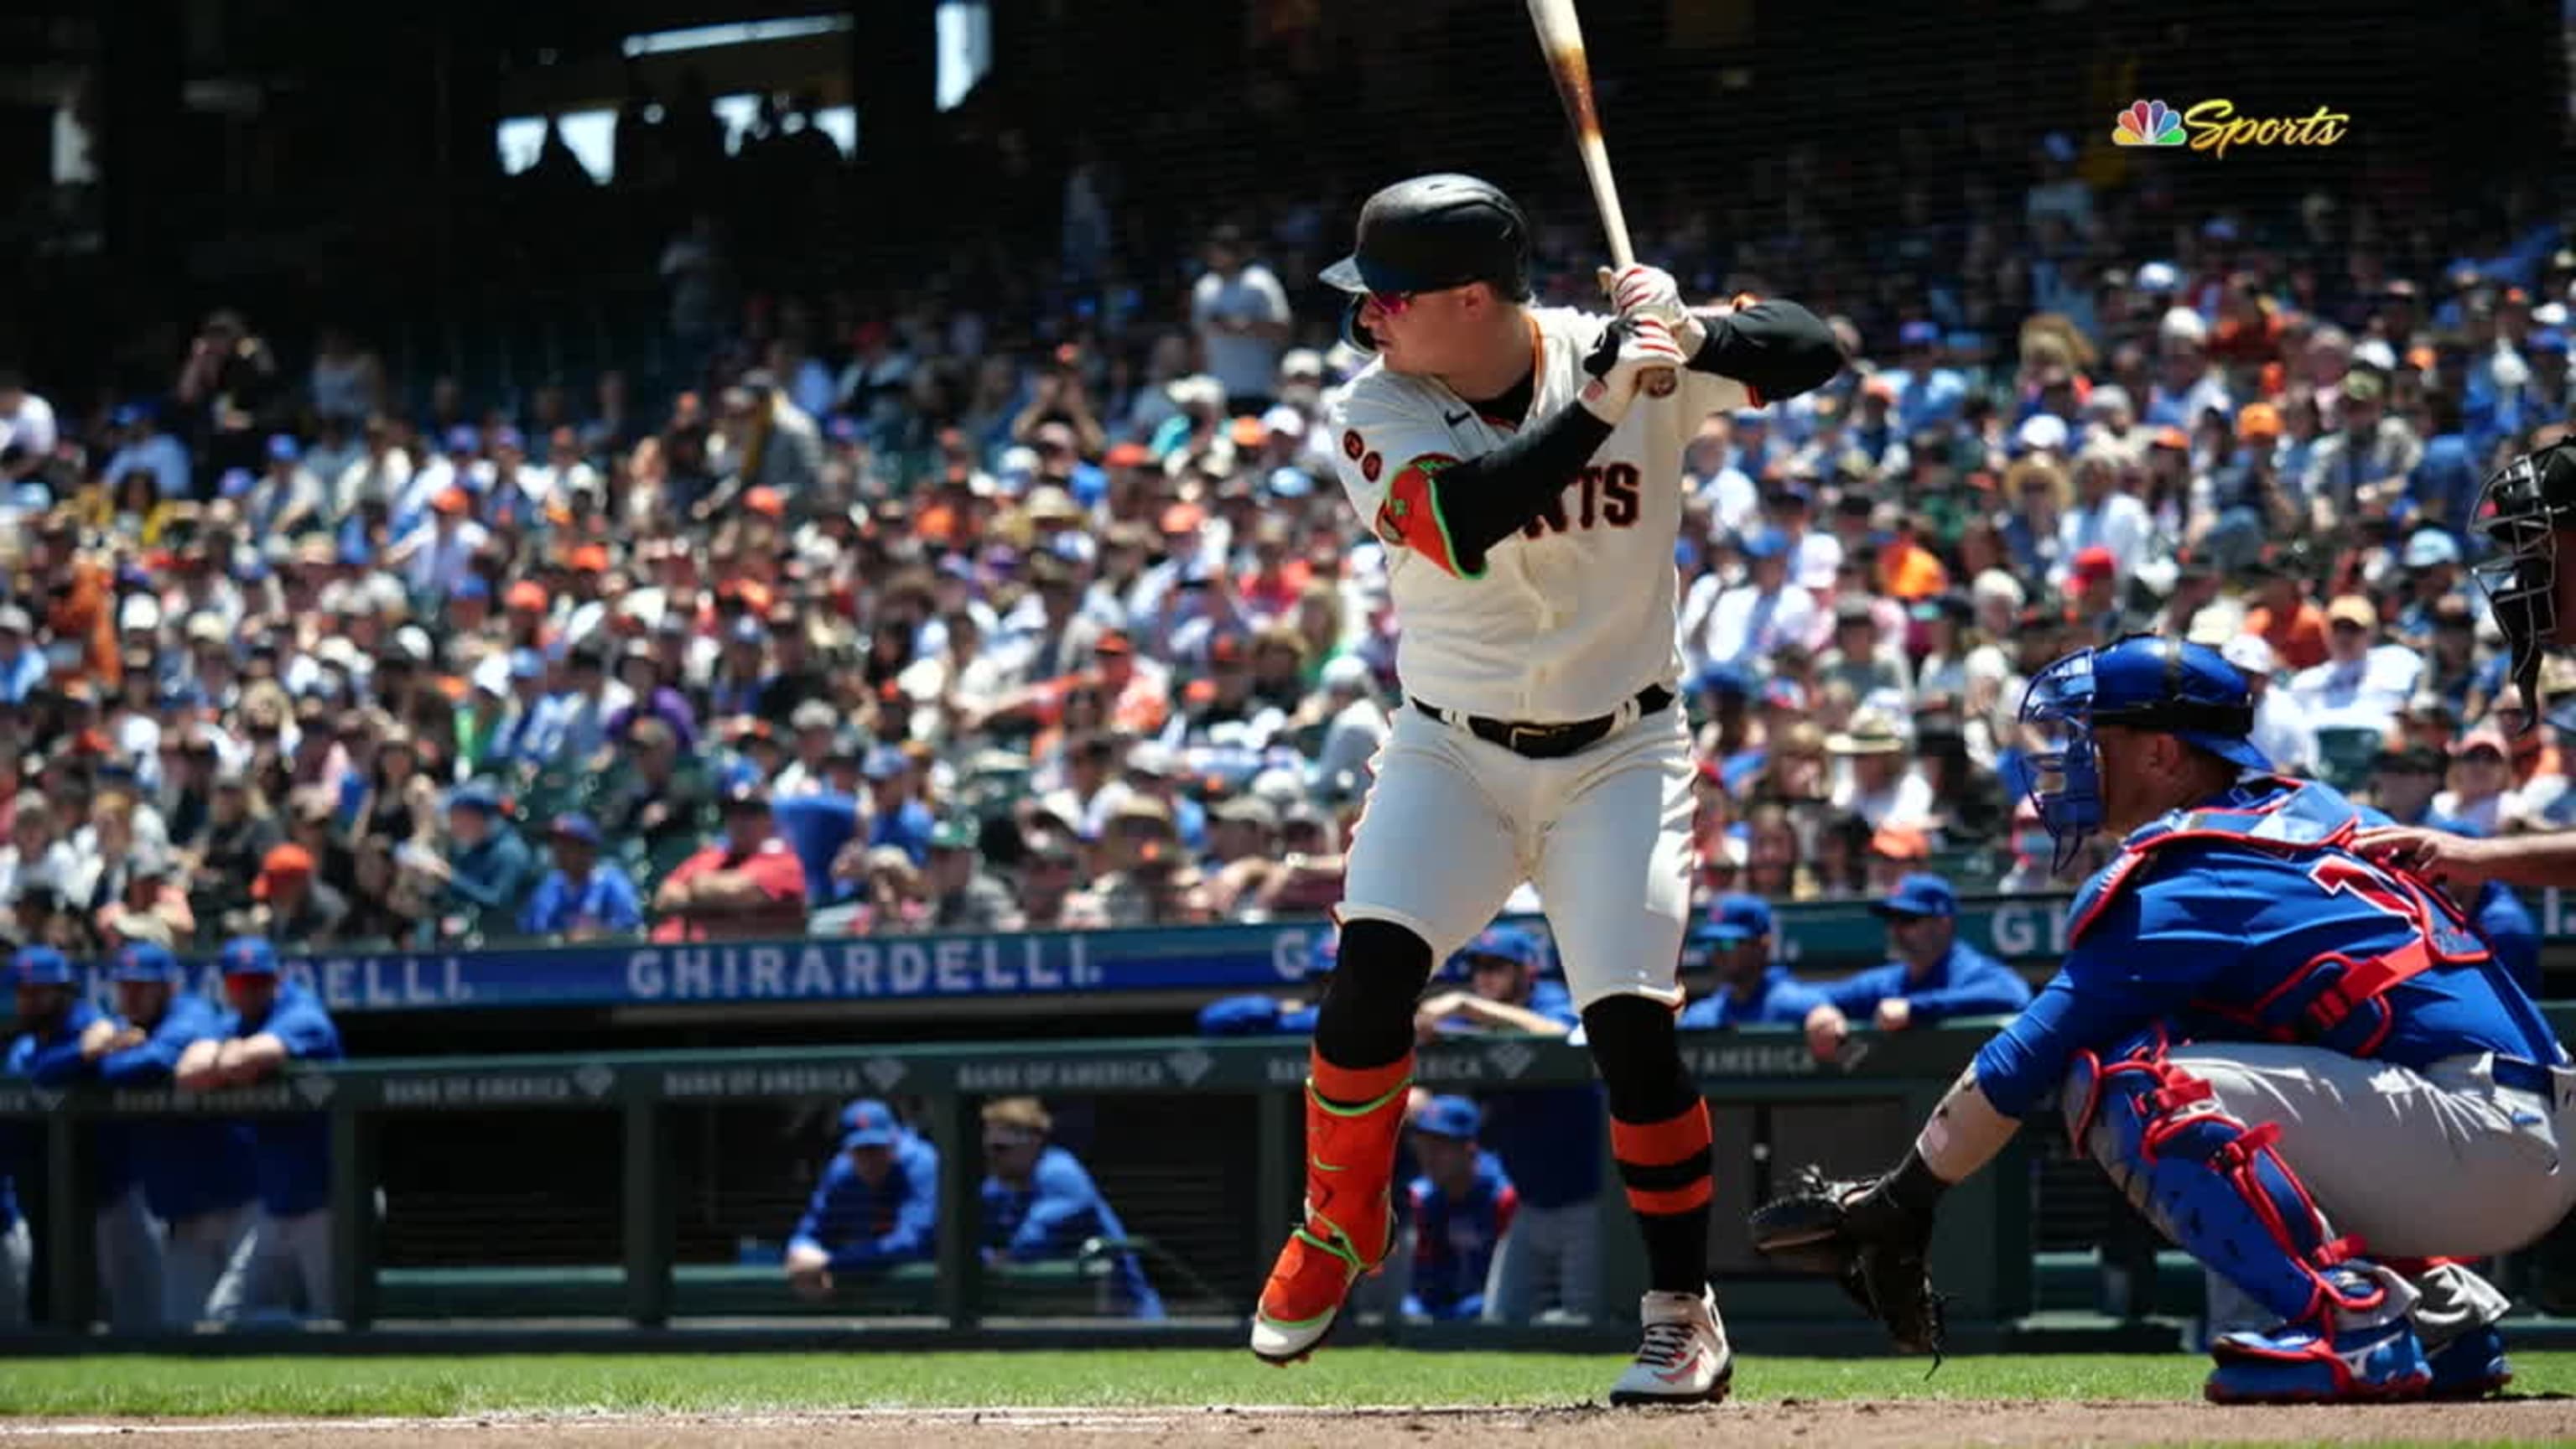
point(1575, 613)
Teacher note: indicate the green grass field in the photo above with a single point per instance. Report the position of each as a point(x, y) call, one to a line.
point(403, 1387)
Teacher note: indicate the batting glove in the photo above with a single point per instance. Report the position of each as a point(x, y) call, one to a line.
point(1643, 291)
point(1631, 348)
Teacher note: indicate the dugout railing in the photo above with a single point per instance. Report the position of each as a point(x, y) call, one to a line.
point(1775, 1107)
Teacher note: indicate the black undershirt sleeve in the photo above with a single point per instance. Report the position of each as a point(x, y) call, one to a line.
point(1487, 498)
point(1776, 349)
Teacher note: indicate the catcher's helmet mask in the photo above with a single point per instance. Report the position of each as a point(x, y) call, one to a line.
point(2521, 509)
point(2142, 681)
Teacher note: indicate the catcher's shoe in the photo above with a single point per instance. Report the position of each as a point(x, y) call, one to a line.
point(2319, 1362)
point(1349, 1227)
point(2470, 1366)
point(1684, 1358)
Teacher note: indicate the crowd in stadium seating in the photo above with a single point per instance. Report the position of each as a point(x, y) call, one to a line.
point(915, 625)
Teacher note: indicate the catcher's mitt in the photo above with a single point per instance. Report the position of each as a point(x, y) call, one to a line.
point(1871, 1246)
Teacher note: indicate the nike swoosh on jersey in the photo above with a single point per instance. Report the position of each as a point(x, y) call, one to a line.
point(1456, 419)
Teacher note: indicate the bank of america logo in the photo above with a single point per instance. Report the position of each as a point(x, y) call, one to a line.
point(2148, 123)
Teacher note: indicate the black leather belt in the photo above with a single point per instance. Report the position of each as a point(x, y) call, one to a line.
point(1546, 741)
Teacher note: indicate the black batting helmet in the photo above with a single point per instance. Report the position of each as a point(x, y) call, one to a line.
point(1437, 231)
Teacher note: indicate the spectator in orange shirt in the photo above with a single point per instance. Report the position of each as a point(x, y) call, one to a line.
point(1140, 696)
point(2284, 617)
point(746, 886)
point(1906, 569)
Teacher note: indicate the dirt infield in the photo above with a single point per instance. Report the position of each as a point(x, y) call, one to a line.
point(1842, 1425)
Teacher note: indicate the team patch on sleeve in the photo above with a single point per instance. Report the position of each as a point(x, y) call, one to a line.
point(1411, 515)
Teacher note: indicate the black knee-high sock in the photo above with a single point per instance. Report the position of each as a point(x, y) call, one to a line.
point(1659, 1135)
point(1366, 1017)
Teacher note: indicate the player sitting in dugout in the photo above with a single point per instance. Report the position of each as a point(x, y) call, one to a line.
point(1743, 986)
point(1040, 1203)
point(1462, 1206)
point(877, 1205)
point(1934, 976)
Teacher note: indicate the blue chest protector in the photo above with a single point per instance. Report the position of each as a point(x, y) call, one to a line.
point(2334, 944)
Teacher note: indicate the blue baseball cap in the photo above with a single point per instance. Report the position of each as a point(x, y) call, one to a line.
point(885, 762)
point(463, 439)
point(145, 962)
point(1919, 894)
point(1736, 917)
point(2547, 339)
point(1510, 943)
point(1455, 1118)
point(527, 664)
point(40, 966)
point(868, 1122)
point(249, 956)
point(573, 825)
point(1726, 680)
point(1764, 543)
point(282, 448)
point(1918, 334)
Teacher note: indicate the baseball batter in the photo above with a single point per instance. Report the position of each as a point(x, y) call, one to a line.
point(1528, 492)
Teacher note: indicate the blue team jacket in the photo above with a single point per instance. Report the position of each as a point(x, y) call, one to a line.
point(1053, 1215)
point(293, 1151)
point(1780, 1000)
point(861, 1226)
point(1967, 982)
point(187, 1165)
point(1549, 1138)
point(55, 1061)
point(2249, 920)
point(1454, 1241)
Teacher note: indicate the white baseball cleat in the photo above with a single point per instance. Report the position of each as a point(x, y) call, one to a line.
point(1684, 1358)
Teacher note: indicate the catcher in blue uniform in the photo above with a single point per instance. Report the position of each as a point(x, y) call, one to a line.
point(2305, 1068)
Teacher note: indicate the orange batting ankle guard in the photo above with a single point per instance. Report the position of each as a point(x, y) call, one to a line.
point(1352, 1118)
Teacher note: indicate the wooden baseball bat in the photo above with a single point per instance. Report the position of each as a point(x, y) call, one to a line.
point(1560, 37)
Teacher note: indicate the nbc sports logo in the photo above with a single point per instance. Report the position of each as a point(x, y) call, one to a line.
point(2148, 123)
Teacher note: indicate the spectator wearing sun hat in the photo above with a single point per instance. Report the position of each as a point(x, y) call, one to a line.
point(2363, 683)
point(581, 897)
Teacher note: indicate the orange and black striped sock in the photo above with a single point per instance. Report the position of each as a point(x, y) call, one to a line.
point(1665, 1167)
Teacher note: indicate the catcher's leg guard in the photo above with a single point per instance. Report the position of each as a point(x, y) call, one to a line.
point(2221, 1190)
point(1352, 1118)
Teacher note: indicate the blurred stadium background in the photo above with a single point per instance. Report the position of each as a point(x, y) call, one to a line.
point(668, 232)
